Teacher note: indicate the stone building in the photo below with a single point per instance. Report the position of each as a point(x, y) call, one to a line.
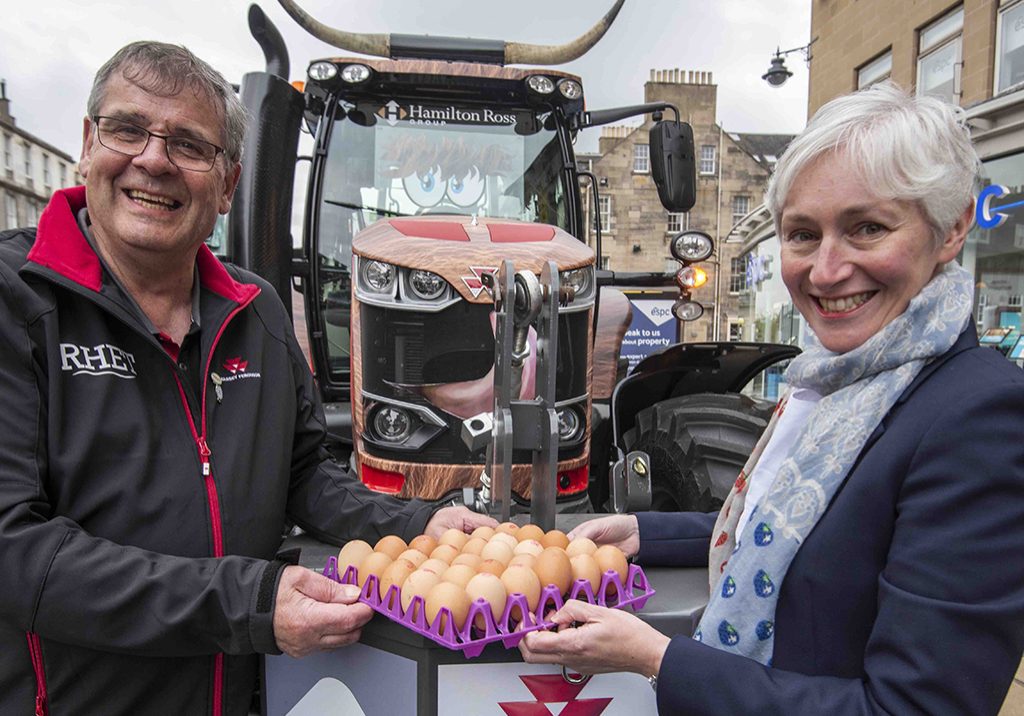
point(732, 170)
point(968, 53)
point(31, 170)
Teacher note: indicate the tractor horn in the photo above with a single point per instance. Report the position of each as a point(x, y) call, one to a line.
point(515, 53)
point(518, 53)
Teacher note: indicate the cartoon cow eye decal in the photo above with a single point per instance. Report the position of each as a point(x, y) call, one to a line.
point(425, 188)
point(467, 190)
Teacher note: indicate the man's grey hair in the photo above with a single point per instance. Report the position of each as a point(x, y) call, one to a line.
point(165, 70)
point(903, 147)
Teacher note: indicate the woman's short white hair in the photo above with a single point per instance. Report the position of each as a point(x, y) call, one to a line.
point(903, 147)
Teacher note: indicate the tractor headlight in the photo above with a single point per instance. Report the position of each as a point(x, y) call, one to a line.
point(354, 74)
point(570, 425)
point(570, 89)
point(426, 284)
point(540, 84)
point(392, 424)
point(377, 276)
point(322, 71)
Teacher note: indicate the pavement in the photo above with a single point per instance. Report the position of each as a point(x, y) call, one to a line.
point(1014, 704)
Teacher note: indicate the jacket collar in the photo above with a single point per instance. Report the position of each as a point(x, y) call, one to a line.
point(61, 247)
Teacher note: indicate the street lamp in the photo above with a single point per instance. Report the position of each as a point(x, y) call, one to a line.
point(778, 73)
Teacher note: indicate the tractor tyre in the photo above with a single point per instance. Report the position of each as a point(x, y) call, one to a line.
point(697, 445)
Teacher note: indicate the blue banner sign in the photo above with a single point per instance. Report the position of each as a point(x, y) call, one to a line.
point(653, 328)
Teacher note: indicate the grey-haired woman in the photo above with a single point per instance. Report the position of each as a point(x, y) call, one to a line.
point(868, 559)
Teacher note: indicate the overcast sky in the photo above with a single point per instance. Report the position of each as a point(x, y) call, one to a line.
point(50, 50)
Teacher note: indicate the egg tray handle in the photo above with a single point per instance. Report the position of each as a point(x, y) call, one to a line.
point(443, 632)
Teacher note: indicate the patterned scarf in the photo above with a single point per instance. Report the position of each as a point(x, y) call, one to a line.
point(858, 388)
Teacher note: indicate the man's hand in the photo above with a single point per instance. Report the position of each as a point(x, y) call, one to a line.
point(314, 613)
point(603, 640)
point(623, 531)
point(461, 518)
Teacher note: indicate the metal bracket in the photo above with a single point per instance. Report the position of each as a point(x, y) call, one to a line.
point(631, 483)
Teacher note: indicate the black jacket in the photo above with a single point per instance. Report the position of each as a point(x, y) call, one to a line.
point(138, 519)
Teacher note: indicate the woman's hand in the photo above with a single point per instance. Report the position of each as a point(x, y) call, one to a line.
point(623, 531)
point(603, 640)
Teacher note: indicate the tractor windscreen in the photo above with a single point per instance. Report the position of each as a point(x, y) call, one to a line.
point(414, 159)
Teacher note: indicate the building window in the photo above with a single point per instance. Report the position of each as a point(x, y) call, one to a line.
point(12, 212)
point(939, 52)
point(641, 159)
point(1010, 47)
point(8, 153)
point(604, 262)
point(605, 212)
point(47, 176)
point(878, 70)
point(735, 331)
point(740, 208)
point(28, 162)
point(738, 274)
point(33, 214)
point(584, 165)
point(677, 221)
point(63, 175)
point(707, 159)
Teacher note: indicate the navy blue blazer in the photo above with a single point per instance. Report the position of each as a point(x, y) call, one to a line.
point(908, 595)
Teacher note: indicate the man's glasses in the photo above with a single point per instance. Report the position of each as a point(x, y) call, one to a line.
point(129, 139)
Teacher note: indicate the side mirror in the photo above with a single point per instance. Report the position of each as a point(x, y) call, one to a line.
point(673, 165)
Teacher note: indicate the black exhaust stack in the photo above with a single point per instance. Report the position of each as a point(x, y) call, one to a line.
point(259, 224)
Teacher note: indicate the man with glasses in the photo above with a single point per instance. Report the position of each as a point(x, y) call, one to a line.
point(160, 424)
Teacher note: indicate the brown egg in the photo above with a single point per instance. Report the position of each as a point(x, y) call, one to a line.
point(374, 563)
point(506, 538)
point(584, 566)
point(395, 574)
point(553, 567)
point(458, 574)
point(437, 566)
point(483, 532)
point(491, 566)
point(470, 560)
point(555, 538)
point(474, 545)
point(509, 528)
point(611, 558)
point(490, 588)
point(391, 545)
point(580, 545)
point(414, 556)
point(444, 552)
point(497, 550)
point(446, 594)
point(526, 560)
point(522, 580)
point(529, 532)
point(529, 546)
point(456, 538)
point(423, 544)
point(352, 554)
point(417, 584)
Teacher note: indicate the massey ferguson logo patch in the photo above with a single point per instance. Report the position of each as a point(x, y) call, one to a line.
point(235, 365)
point(103, 359)
point(474, 282)
point(237, 369)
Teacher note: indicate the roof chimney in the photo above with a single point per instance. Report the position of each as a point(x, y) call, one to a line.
point(5, 104)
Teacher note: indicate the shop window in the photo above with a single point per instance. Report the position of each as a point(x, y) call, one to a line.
point(738, 274)
point(939, 57)
point(707, 159)
point(878, 70)
point(641, 159)
point(1010, 47)
point(740, 208)
point(677, 221)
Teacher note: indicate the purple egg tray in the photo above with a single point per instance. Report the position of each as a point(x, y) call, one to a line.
point(471, 640)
